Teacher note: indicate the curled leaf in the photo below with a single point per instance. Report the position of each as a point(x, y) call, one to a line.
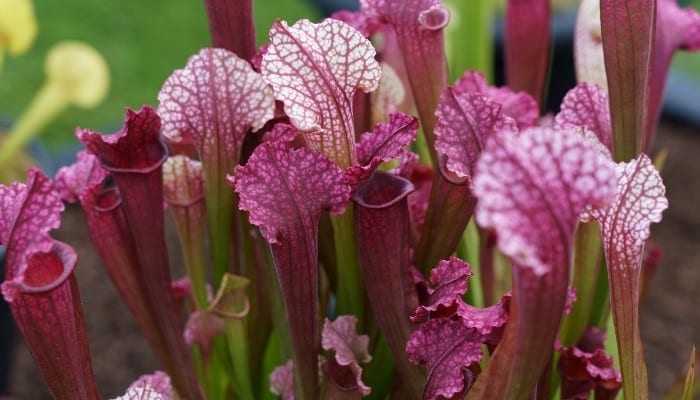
point(586, 367)
point(465, 122)
point(387, 142)
point(28, 212)
point(448, 348)
point(350, 350)
point(535, 184)
point(85, 173)
point(183, 182)
point(466, 119)
point(314, 69)
point(586, 106)
point(340, 337)
point(282, 380)
point(452, 363)
point(639, 202)
point(519, 106)
point(358, 20)
point(280, 183)
point(449, 279)
point(135, 148)
point(445, 300)
point(215, 99)
point(155, 386)
point(202, 327)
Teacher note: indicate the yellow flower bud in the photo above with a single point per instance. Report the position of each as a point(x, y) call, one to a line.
point(18, 26)
point(76, 74)
point(80, 72)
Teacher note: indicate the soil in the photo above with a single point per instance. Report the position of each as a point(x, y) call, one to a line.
point(670, 319)
point(670, 315)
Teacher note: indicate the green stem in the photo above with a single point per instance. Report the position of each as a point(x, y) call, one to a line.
point(44, 107)
point(282, 336)
point(192, 247)
point(351, 297)
point(502, 271)
point(624, 297)
point(587, 263)
point(219, 197)
point(422, 148)
point(689, 378)
point(610, 340)
point(555, 381)
point(272, 358)
point(212, 375)
point(237, 340)
point(600, 307)
point(220, 374)
point(259, 323)
point(468, 250)
point(194, 264)
point(473, 21)
point(380, 370)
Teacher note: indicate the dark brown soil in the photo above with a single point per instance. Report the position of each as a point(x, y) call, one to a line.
point(670, 319)
point(670, 315)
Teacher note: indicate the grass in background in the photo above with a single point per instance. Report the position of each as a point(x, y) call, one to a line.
point(142, 41)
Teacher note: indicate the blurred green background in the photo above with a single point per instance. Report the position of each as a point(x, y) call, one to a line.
point(143, 42)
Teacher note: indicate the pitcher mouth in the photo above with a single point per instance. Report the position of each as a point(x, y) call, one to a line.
point(45, 275)
point(383, 190)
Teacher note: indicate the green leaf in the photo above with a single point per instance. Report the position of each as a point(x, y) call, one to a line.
point(689, 378)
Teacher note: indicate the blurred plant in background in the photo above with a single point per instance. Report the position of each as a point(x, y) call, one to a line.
point(17, 32)
point(76, 75)
point(141, 52)
point(17, 27)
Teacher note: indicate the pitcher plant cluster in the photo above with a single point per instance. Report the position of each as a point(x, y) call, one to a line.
point(330, 254)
